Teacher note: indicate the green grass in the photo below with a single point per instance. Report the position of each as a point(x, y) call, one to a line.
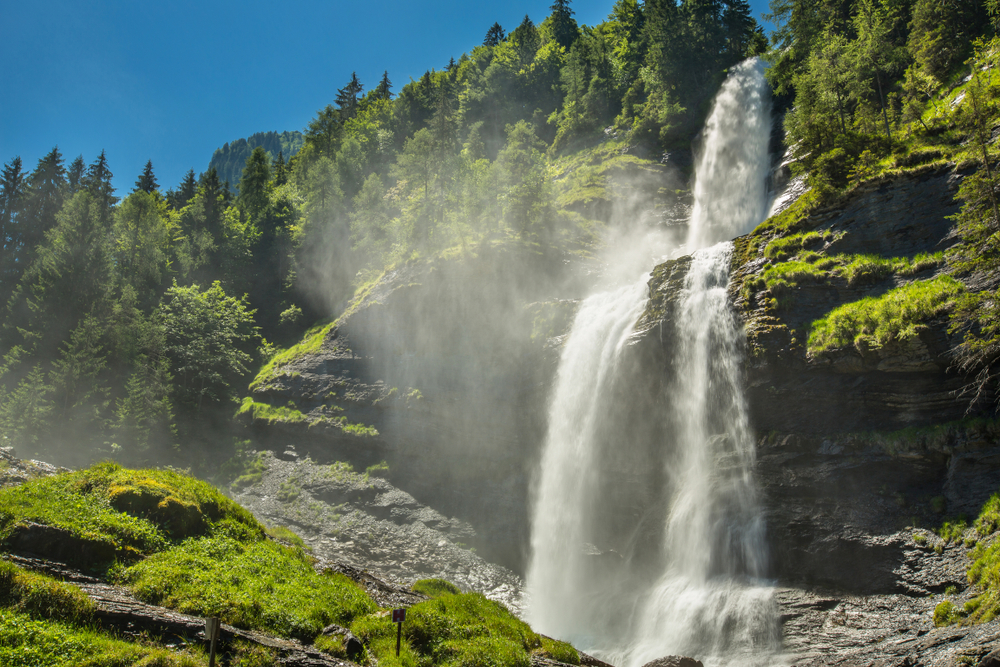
point(285, 534)
point(464, 630)
point(435, 587)
point(27, 642)
point(258, 586)
point(122, 513)
point(812, 267)
point(41, 596)
point(311, 342)
point(270, 414)
point(875, 321)
point(783, 247)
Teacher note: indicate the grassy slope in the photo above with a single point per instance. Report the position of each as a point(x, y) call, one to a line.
point(192, 549)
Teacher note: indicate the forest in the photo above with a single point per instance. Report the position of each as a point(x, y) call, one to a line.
point(133, 320)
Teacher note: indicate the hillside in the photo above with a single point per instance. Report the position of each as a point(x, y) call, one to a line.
point(229, 160)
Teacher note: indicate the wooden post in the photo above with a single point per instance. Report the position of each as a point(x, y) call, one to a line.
point(398, 616)
point(212, 635)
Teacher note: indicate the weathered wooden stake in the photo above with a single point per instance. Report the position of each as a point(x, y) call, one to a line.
point(212, 635)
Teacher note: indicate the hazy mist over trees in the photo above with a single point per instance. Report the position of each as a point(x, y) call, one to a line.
point(131, 321)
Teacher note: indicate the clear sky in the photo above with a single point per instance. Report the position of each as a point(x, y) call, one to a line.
point(172, 81)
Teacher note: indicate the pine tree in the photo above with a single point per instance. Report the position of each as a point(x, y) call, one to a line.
point(46, 192)
point(564, 26)
point(74, 176)
point(254, 183)
point(494, 35)
point(97, 181)
point(280, 171)
point(347, 97)
point(147, 181)
point(384, 89)
point(188, 189)
point(12, 193)
point(526, 40)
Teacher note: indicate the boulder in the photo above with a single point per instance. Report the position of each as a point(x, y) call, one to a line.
point(674, 661)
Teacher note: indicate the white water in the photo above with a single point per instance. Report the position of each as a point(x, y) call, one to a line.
point(703, 595)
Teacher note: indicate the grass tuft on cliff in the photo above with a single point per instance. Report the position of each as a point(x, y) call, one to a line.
point(874, 322)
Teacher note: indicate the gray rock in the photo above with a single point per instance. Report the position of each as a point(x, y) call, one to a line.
point(674, 661)
point(992, 659)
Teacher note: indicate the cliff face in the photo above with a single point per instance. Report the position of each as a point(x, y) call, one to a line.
point(437, 359)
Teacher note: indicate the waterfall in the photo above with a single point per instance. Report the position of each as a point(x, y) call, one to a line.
point(699, 590)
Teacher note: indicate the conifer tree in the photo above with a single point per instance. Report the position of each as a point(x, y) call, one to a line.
point(75, 174)
point(97, 181)
point(255, 182)
point(12, 193)
point(384, 89)
point(494, 35)
point(280, 171)
point(46, 192)
point(564, 26)
point(187, 191)
point(347, 97)
point(147, 181)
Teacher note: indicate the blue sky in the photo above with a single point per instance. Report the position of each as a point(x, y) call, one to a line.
point(172, 82)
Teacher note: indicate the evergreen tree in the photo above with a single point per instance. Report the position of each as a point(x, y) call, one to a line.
point(526, 41)
point(147, 181)
point(384, 89)
point(280, 171)
point(12, 193)
point(347, 97)
point(46, 191)
point(97, 181)
point(186, 191)
point(324, 131)
point(75, 175)
point(255, 183)
point(564, 26)
point(494, 35)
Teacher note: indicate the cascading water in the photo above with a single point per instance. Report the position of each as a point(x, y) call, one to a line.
point(700, 593)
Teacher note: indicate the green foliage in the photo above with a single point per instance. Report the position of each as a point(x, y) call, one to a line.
point(209, 339)
point(257, 585)
point(270, 414)
point(435, 587)
point(26, 642)
point(252, 472)
point(285, 534)
point(874, 322)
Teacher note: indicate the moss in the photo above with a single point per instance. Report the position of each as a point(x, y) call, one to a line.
point(128, 511)
point(873, 322)
point(945, 613)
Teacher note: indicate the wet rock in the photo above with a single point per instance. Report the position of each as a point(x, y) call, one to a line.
point(33, 539)
point(992, 659)
point(674, 661)
point(352, 645)
point(372, 531)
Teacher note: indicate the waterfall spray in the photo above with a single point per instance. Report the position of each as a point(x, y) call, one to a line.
point(702, 596)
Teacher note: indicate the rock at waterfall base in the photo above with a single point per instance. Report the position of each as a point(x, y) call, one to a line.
point(674, 661)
